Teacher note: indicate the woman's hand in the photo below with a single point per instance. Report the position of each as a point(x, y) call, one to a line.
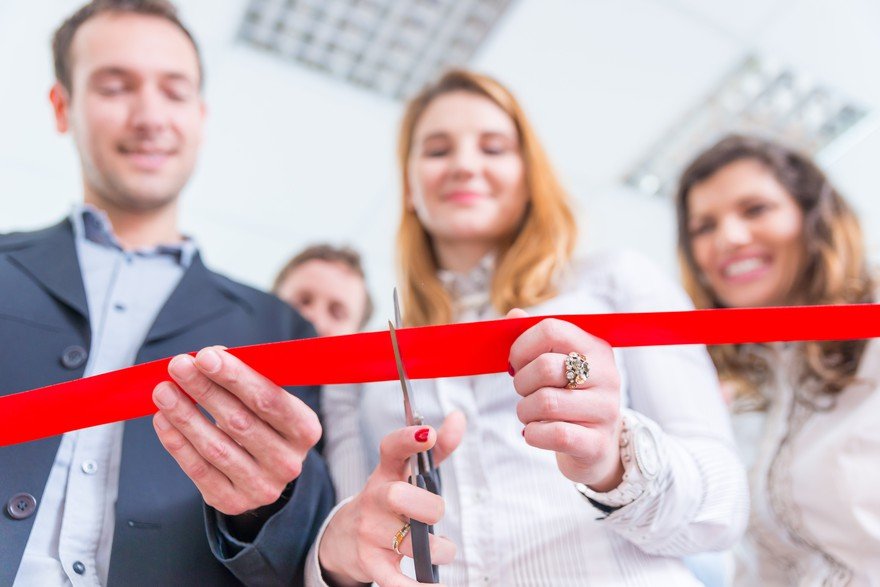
point(357, 544)
point(582, 425)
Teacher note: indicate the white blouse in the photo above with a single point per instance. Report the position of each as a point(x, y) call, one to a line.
point(515, 518)
point(815, 481)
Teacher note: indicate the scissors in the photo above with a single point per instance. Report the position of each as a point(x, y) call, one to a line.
point(423, 473)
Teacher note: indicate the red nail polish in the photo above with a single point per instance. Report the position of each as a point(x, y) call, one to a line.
point(524, 432)
point(510, 369)
point(422, 435)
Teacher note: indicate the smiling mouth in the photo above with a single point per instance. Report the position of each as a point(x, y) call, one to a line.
point(744, 267)
point(463, 197)
point(147, 159)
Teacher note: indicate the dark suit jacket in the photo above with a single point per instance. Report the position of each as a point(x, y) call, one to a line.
point(160, 524)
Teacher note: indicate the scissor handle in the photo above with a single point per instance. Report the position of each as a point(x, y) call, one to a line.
point(426, 572)
point(434, 475)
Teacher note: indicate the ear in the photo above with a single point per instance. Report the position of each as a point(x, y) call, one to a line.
point(408, 201)
point(60, 100)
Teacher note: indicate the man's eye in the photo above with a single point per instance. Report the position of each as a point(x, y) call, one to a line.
point(111, 89)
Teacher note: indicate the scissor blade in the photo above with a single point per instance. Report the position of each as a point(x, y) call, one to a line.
point(404, 380)
point(397, 319)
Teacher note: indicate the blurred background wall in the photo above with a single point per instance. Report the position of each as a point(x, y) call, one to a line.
point(294, 155)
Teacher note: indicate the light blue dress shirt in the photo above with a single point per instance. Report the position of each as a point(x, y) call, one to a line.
point(72, 536)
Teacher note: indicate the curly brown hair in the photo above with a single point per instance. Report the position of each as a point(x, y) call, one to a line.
point(835, 272)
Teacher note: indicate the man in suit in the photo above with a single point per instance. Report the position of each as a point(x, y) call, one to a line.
point(116, 284)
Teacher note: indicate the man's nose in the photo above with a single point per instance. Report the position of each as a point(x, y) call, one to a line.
point(317, 317)
point(150, 110)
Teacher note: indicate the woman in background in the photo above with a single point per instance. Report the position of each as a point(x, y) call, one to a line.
point(485, 228)
point(761, 225)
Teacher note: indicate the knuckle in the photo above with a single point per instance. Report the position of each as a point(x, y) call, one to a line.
point(549, 367)
point(290, 469)
point(394, 495)
point(548, 404)
point(266, 401)
point(183, 416)
point(174, 442)
point(312, 431)
point(217, 452)
point(386, 449)
point(266, 492)
point(553, 329)
point(240, 422)
point(522, 412)
point(439, 508)
point(563, 437)
point(199, 471)
point(200, 389)
point(233, 506)
point(230, 373)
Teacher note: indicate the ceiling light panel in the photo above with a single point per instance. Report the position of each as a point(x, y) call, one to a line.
point(393, 47)
point(756, 97)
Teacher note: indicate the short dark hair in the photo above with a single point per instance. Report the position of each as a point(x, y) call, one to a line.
point(330, 254)
point(63, 37)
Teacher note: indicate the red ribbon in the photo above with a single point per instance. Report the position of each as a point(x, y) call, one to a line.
point(433, 351)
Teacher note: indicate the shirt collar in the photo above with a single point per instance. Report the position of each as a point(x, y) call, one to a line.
point(92, 224)
point(470, 291)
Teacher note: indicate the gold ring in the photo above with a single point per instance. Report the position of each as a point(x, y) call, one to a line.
point(577, 370)
point(398, 539)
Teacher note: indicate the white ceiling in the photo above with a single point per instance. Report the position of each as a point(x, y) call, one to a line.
point(293, 156)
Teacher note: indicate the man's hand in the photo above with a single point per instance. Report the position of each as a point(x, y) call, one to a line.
point(256, 447)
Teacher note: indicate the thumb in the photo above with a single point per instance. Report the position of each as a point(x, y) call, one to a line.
point(449, 436)
point(517, 313)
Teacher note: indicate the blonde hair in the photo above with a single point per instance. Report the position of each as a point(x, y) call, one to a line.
point(835, 271)
point(528, 265)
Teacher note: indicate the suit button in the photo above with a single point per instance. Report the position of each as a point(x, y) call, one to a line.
point(79, 568)
point(21, 506)
point(74, 357)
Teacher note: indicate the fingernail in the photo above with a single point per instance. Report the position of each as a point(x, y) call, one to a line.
point(510, 369)
point(164, 397)
point(524, 432)
point(208, 360)
point(161, 422)
point(176, 366)
point(422, 435)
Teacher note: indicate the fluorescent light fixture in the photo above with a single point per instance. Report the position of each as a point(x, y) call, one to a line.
point(393, 47)
point(757, 97)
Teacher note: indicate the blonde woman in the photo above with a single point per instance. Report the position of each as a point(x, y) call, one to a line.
point(761, 225)
point(608, 482)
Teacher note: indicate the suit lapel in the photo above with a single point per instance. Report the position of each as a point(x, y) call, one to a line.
point(197, 298)
point(52, 262)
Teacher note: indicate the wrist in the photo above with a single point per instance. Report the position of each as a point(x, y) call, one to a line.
point(611, 479)
point(331, 551)
point(615, 470)
point(641, 460)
